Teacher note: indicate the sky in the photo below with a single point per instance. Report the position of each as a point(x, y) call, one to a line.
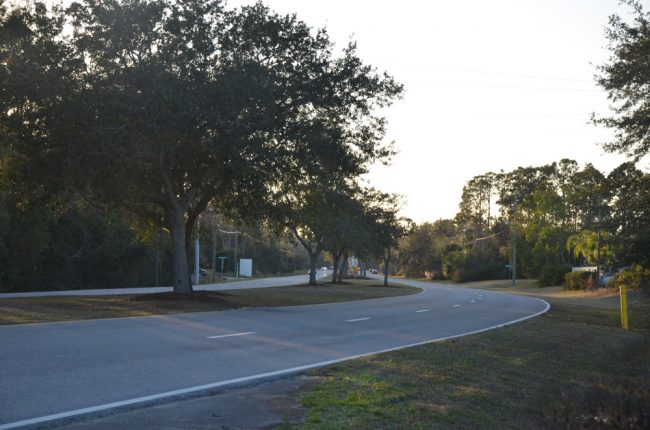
point(489, 85)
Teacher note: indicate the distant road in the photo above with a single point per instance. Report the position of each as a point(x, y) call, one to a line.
point(223, 286)
point(61, 370)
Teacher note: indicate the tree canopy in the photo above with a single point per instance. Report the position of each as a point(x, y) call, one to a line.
point(557, 215)
point(161, 107)
point(625, 77)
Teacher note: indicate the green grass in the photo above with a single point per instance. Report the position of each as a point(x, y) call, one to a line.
point(66, 308)
point(570, 368)
point(498, 284)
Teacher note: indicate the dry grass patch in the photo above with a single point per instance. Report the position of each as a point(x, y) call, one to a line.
point(66, 308)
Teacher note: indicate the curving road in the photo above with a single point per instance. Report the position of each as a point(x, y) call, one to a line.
point(61, 370)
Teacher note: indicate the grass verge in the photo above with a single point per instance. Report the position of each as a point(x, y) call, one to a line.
point(570, 368)
point(66, 308)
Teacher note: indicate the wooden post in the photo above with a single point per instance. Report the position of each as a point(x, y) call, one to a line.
point(624, 319)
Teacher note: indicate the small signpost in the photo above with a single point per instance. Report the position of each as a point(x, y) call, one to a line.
point(222, 260)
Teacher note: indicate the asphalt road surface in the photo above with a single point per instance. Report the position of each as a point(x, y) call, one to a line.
point(61, 370)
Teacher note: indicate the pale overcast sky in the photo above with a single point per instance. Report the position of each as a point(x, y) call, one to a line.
point(490, 85)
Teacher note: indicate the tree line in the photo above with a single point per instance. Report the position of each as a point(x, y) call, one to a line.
point(139, 115)
point(80, 247)
point(557, 215)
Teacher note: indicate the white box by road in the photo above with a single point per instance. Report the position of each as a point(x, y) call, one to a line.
point(246, 267)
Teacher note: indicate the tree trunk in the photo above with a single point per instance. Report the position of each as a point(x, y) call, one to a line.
point(335, 258)
point(343, 268)
point(188, 251)
point(386, 262)
point(181, 273)
point(312, 268)
point(313, 255)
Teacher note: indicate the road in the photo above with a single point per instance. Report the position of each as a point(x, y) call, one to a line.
point(59, 370)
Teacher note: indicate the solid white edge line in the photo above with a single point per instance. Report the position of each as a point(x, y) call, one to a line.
point(357, 319)
point(197, 388)
point(456, 306)
point(231, 335)
point(422, 310)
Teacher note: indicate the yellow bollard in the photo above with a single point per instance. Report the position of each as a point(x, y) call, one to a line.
point(624, 322)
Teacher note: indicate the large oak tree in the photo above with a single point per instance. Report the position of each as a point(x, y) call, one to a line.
point(161, 107)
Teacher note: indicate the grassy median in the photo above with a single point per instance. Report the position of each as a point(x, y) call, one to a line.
point(50, 309)
point(571, 368)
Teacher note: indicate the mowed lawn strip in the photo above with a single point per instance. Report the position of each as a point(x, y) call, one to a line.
point(51, 309)
point(570, 368)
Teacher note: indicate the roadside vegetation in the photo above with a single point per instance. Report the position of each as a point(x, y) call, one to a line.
point(557, 216)
point(570, 368)
point(68, 308)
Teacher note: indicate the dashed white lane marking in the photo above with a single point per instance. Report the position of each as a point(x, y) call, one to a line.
point(456, 306)
point(199, 388)
point(357, 319)
point(231, 335)
point(422, 310)
point(472, 301)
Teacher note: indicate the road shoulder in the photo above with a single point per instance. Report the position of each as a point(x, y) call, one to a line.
point(263, 405)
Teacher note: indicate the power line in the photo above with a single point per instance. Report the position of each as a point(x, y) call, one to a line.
point(519, 75)
point(229, 232)
point(513, 87)
point(242, 233)
point(491, 236)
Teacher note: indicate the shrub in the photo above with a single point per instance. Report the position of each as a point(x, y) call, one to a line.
point(580, 280)
point(553, 274)
point(474, 266)
point(634, 278)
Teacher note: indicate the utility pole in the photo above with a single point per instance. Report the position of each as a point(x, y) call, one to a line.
point(600, 217)
point(214, 246)
point(236, 264)
point(514, 250)
point(598, 259)
point(197, 275)
point(514, 262)
point(157, 266)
